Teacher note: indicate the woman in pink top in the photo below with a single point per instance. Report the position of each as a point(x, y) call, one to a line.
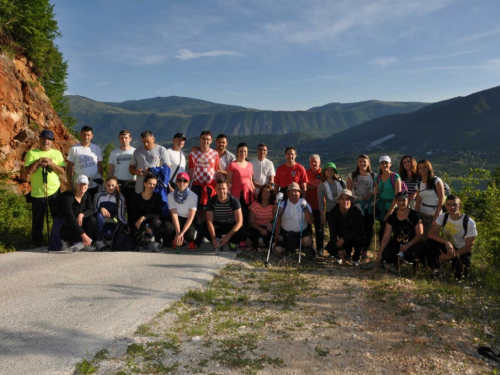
point(239, 179)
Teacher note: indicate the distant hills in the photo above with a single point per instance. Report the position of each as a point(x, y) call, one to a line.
point(166, 116)
point(461, 124)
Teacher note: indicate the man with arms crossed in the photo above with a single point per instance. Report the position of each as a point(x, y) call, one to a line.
point(290, 172)
point(42, 160)
point(119, 162)
point(459, 234)
point(263, 169)
point(149, 156)
point(86, 158)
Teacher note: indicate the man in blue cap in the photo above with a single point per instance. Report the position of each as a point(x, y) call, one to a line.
point(45, 165)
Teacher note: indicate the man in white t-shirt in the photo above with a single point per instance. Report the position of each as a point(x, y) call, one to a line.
point(119, 161)
point(86, 159)
point(459, 234)
point(225, 157)
point(263, 169)
point(176, 159)
point(150, 155)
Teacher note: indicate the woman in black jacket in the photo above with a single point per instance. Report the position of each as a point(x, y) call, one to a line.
point(346, 224)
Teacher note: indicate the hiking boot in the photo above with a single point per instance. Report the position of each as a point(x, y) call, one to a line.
point(192, 246)
point(310, 253)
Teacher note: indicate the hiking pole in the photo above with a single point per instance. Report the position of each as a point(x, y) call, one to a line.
point(44, 178)
point(279, 198)
point(301, 231)
point(375, 222)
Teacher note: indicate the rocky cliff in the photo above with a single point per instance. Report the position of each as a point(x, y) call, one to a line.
point(25, 112)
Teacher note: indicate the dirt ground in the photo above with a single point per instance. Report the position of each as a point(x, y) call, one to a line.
point(324, 319)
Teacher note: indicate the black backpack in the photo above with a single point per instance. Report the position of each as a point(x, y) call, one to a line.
point(123, 241)
point(465, 222)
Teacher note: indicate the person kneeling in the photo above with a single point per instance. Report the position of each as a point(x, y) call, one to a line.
point(407, 231)
point(75, 222)
point(346, 222)
point(294, 215)
point(459, 234)
point(182, 203)
point(224, 218)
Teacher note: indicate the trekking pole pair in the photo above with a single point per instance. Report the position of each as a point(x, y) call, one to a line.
point(45, 172)
point(279, 198)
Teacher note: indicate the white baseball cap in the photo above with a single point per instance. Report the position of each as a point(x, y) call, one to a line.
point(82, 179)
point(384, 158)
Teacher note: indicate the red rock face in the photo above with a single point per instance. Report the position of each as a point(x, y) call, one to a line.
point(25, 111)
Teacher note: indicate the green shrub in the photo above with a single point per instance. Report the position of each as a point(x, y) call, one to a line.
point(15, 222)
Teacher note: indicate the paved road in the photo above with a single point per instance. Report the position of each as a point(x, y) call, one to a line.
point(56, 308)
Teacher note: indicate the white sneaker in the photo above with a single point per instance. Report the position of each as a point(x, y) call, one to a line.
point(77, 247)
point(89, 248)
point(156, 247)
point(339, 260)
point(355, 263)
point(101, 245)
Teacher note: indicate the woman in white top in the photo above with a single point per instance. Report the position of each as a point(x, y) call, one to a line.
point(430, 195)
point(182, 203)
point(362, 184)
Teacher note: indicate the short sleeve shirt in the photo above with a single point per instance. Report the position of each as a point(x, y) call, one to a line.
point(454, 230)
point(176, 158)
point(120, 159)
point(262, 170)
point(204, 165)
point(224, 212)
point(387, 191)
point(143, 159)
point(85, 161)
point(286, 175)
point(190, 203)
point(314, 178)
point(403, 231)
point(429, 198)
point(262, 215)
point(53, 182)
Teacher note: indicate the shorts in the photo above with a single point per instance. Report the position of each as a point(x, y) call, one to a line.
point(291, 240)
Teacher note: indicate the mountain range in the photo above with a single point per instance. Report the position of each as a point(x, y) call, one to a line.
point(167, 116)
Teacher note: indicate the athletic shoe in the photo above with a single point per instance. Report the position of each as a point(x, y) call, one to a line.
point(364, 255)
point(101, 245)
point(76, 247)
point(310, 253)
point(243, 246)
point(392, 268)
point(339, 260)
point(437, 274)
point(89, 248)
point(232, 246)
point(368, 266)
point(192, 245)
point(156, 247)
point(321, 251)
point(355, 263)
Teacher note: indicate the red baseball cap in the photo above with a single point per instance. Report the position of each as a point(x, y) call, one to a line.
point(182, 175)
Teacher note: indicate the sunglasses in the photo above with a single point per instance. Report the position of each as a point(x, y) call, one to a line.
point(185, 181)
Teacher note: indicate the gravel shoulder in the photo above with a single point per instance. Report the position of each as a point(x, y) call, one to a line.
point(324, 318)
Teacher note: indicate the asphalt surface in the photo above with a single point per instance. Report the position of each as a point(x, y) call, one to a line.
point(55, 309)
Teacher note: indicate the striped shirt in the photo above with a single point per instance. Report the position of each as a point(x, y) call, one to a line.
point(117, 199)
point(223, 212)
point(262, 215)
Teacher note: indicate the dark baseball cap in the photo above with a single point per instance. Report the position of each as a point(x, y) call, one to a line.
point(49, 134)
point(180, 135)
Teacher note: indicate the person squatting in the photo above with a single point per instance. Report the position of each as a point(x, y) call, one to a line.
point(161, 198)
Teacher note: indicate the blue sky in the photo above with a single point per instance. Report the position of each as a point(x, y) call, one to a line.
point(280, 54)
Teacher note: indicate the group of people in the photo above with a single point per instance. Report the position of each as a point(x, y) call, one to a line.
point(236, 203)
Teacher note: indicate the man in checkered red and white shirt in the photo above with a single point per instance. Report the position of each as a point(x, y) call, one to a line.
point(203, 165)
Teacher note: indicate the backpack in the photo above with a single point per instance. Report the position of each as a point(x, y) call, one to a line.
point(465, 222)
point(447, 190)
point(122, 241)
point(404, 187)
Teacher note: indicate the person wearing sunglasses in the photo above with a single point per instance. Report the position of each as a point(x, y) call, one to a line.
point(459, 234)
point(182, 203)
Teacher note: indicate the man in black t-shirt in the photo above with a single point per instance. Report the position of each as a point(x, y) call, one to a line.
point(224, 218)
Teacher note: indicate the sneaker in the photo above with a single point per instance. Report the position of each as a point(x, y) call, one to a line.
point(76, 247)
point(89, 248)
point(176, 248)
point(364, 255)
point(192, 246)
point(101, 245)
point(321, 251)
point(339, 260)
point(369, 266)
point(310, 253)
point(232, 246)
point(156, 247)
point(243, 246)
point(391, 267)
point(355, 263)
point(437, 274)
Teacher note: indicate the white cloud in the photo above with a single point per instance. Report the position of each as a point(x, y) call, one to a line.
point(383, 62)
point(426, 58)
point(472, 37)
point(185, 54)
